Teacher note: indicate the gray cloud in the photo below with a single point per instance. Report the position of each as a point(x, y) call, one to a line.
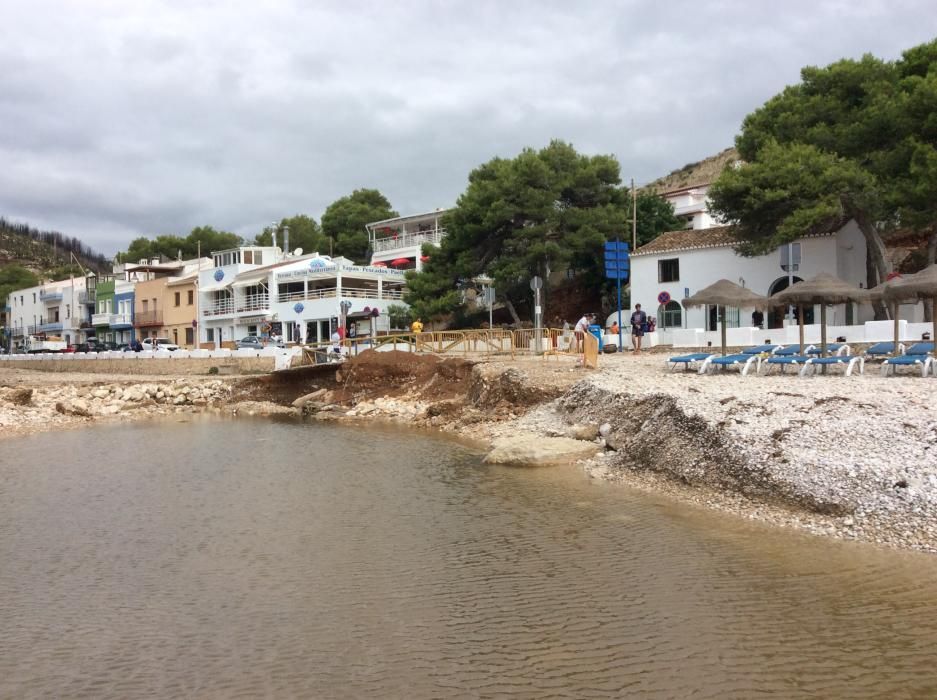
point(121, 120)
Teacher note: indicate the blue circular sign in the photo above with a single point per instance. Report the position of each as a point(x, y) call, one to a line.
point(219, 275)
point(663, 297)
point(298, 308)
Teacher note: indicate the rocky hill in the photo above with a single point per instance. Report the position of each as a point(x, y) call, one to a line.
point(699, 173)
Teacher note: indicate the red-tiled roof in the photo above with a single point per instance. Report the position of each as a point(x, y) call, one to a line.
point(689, 239)
point(715, 237)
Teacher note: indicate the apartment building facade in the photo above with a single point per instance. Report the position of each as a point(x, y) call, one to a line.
point(298, 298)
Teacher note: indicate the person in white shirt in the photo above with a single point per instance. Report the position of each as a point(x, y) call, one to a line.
point(582, 327)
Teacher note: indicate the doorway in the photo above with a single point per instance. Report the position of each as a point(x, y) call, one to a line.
point(777, 314)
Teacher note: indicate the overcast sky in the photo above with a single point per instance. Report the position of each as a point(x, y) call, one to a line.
point(125, 118)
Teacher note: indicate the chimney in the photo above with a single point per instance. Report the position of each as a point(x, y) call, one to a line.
point(286, 240)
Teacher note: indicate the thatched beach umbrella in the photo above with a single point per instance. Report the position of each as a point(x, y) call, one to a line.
point(722, 294)
point(919, 286)
point(823, 289)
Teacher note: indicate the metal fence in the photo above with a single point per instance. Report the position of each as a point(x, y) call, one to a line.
point(545, 342)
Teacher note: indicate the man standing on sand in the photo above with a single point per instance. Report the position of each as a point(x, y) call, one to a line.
point(638, 323)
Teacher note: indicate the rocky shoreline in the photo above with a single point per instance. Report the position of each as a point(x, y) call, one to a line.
point(849, 458)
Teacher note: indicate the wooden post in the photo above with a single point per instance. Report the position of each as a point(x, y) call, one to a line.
point(822, 330)
point(894, 313)
point(800, 319)
point(722, 321)
point(634, 217)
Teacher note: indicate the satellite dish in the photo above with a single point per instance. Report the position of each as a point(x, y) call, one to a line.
point(298, 252)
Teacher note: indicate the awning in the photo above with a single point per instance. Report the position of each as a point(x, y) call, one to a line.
point(215, 287)
point(249, 282)
point(399, 262)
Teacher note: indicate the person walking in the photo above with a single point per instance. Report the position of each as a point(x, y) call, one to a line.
point(638, 324)
point(416, 326)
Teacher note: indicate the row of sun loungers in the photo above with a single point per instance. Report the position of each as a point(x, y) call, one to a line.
point(807, 360)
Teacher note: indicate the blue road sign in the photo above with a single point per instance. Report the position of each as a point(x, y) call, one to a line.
point(617, 260)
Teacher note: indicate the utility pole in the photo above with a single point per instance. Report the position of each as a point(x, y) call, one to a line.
point(198, 300)
point(634, 216)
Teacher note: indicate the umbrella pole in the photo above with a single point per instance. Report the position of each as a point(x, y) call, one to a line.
point(722, 322)
point(823, 333)
point(894, 313)
point(933, 316)
point(800, 320)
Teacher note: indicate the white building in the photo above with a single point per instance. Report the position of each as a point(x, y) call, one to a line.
point(691, 205)
point(60, 309)
point(256, 290)
point(398, 242)
point(680, 263)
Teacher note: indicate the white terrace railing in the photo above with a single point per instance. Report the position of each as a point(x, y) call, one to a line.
point(408, 240)
point(252, 302)
point(331, 292)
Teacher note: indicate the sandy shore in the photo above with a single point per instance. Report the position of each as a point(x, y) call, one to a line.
point(854, 457)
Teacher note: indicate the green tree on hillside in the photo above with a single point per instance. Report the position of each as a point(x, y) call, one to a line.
point(345, 218)
point(304, 231)
point(171, 246)
point(13, 277)
point(655, 216)
point(526, 216)
point(855, 140)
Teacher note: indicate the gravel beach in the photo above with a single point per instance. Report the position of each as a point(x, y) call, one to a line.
point(853, 457)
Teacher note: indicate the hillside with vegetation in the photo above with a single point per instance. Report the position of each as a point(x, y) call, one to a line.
point(47, 254)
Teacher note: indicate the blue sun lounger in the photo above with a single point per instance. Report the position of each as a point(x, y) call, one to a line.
point(793, 350)
point(743, 360)
point(831, 349)
point(882, 350)
point(784, 361)
point(850, 362)
point(688, 360)
point(917, 354)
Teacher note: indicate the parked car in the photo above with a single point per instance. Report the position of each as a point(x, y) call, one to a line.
point(250, 341)
point(90, 346)
point(159, 344)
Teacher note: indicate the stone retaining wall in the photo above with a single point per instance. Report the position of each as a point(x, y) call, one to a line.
point(153, 366)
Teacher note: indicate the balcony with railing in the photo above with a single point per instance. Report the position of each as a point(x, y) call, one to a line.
point(101, 319)
point(50, 295)
point(143, 319)
point(252, 302)
point(331, 292)
point(220, 307)
point(50, 327)
point(408, 240)
point(121, 321)
point(86, 297)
